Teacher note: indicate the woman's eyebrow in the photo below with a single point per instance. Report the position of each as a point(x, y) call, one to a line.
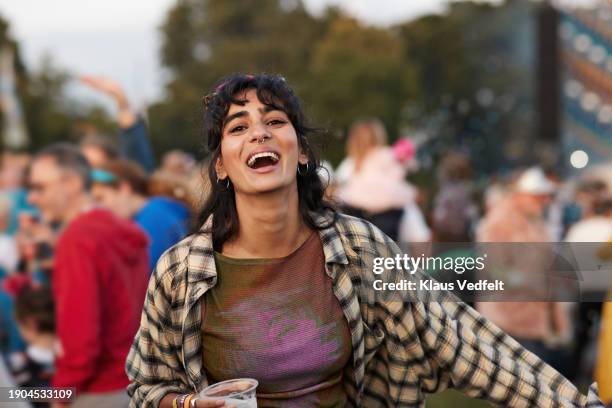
point(235, 116)
point(240, 114)
point(270, 108)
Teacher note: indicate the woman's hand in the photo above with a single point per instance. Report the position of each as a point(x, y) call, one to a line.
point(106, 86)
point(166, 402)
point(208, 403)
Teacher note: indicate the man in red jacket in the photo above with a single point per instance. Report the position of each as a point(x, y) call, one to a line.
point(99, 279)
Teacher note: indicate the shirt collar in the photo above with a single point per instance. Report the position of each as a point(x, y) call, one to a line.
point(335, 252)
point(201, 262)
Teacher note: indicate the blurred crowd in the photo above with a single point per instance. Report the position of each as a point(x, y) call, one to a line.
point(75, 233)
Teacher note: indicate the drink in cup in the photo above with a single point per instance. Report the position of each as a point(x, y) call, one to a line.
point(239, 392)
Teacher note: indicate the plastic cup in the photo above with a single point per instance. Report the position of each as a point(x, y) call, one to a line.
point(239, 392)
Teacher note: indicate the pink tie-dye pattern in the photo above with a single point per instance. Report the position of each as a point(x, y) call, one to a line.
point(280, 323)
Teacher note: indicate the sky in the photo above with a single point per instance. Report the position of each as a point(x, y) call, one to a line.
point(120, 38)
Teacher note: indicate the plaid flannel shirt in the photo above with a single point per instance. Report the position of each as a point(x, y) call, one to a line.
point(402, 349)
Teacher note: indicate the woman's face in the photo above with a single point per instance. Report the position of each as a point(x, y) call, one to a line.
point(259, 148)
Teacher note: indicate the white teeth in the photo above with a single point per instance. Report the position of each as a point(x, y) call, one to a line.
point(272, 155)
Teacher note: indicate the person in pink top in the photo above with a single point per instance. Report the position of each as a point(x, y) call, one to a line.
point(372, 183)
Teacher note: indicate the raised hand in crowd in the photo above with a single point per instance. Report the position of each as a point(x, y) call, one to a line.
point(125, 117)
point(134, 141)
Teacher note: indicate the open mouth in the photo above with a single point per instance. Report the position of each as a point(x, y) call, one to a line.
point(262, 159)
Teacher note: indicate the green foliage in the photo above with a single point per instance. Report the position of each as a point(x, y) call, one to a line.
point(45, 113)
point(475, 66)
point(360, 73)
point(341, 68)
point(431, 74)
point(463, 78)
point(50, 116)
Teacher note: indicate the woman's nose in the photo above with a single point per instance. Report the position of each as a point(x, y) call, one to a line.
point(259, 133)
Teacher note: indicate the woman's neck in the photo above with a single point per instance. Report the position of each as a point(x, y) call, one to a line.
point(271, 225)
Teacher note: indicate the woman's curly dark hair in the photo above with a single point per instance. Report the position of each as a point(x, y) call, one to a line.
point(273, 91)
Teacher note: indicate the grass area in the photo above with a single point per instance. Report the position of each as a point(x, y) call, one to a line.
point(454, 399)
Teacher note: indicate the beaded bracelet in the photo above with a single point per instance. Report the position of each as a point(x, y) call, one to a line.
point(179, 400)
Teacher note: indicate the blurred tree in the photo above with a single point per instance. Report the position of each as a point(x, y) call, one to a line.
point(49, 114)
point(474, 65)
point(341, 68)
point(11, 69)
point(358, 71)
point(463, 77)
point(44, 108)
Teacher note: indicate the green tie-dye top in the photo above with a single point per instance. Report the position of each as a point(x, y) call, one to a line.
point(278, 321)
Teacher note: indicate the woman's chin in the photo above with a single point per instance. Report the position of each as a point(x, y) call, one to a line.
point(268, 186)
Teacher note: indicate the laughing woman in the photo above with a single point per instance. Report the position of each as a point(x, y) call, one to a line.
point(277, 286)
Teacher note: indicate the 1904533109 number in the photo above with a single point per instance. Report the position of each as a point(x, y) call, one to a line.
point(26, 394)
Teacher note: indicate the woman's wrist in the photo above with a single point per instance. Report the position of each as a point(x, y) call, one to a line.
point(179, 401)
point(167, 400)
point(183, 401)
